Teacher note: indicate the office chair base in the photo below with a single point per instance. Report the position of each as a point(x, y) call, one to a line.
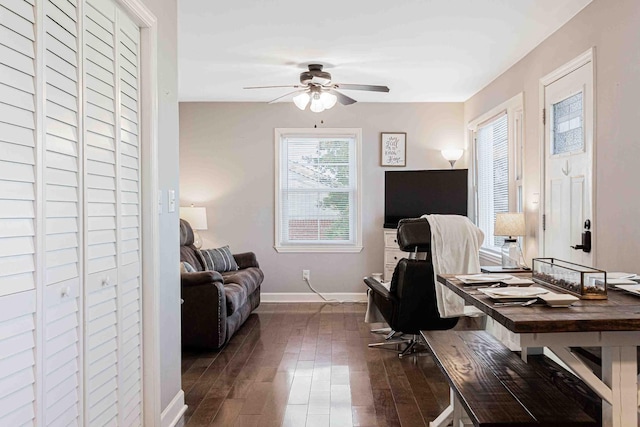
point(381, 331)
point(384, 343)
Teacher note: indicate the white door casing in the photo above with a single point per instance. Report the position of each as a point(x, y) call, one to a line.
point(568, 161)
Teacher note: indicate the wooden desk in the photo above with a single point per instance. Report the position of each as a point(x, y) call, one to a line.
point(612, 324)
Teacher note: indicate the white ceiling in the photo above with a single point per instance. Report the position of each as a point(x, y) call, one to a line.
point(424, 50)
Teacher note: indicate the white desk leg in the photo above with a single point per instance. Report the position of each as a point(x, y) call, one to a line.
point(446, 416)
point(619, 371)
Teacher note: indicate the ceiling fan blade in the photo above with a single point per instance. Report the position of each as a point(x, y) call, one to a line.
point(271, 87)
point(342, 98)
point(320, 81)
point(372, 88)
point(285, 95)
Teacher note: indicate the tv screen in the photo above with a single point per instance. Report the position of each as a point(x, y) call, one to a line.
point(411, 194)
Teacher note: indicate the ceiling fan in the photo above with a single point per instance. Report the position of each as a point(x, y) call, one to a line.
point(317, 89)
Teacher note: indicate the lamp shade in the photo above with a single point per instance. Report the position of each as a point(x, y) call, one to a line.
point(509, 224)
point(196, 217)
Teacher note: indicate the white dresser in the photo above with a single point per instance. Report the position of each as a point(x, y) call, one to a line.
point(392, 252)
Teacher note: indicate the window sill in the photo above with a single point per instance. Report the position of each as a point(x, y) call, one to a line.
point(488, 255)
point(318, 249)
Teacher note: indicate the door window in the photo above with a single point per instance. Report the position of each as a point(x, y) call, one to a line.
point(568, 130)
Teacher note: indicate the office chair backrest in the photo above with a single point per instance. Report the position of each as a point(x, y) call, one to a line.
point(414, 235)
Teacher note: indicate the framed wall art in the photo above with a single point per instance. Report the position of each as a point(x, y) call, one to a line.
point(393, 147)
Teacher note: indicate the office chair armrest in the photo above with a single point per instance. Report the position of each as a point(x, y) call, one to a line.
point(376, 287)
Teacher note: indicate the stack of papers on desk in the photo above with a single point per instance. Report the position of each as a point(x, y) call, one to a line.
point(619, 278)
point(483, 278)
point(479, 279)
point(513, 292)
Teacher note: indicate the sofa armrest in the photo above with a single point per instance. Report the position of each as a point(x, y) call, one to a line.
point(246, 260)
point(200, 278)
point(204, 311)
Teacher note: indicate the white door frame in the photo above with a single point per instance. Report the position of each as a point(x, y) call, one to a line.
point(558, 73)
point(148, 24)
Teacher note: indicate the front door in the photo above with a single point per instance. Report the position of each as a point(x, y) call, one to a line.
point(568, 201)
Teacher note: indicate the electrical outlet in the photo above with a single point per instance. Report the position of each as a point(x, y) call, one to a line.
point(305, 274)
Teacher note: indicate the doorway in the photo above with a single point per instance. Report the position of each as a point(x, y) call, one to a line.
point(568, 210)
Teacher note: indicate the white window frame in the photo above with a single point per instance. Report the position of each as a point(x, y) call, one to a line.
point(514, 108)
point(279, 135)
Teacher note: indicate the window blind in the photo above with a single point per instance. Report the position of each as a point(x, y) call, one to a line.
point(317, 190)
point(492, 148)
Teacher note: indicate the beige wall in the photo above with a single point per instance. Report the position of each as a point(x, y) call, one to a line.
point(227, 165)
point(612, 27)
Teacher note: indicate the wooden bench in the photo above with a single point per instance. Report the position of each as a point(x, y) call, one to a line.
point(495, 387)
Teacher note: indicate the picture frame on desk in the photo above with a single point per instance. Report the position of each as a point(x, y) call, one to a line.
point(393, 149)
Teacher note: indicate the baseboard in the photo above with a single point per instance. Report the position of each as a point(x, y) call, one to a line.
point(310, 297)
point(172, 413)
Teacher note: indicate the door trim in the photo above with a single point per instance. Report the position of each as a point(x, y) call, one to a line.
point(589, 56)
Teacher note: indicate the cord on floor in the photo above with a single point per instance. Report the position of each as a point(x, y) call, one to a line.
point(308, 282)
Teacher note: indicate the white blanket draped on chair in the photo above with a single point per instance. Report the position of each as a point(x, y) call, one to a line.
point(455, 249)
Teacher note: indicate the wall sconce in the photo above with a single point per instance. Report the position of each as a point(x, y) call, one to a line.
point(452, 155)
point(197, 218)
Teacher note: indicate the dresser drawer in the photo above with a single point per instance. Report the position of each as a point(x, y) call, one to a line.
point(388, 272)
point(391, 239)
point(392, 256)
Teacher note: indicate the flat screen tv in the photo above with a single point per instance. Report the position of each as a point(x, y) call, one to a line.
point(411, 194)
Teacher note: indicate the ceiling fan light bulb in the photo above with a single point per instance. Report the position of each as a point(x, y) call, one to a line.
point(316, 105)
point(328, 100)
point(301, 100)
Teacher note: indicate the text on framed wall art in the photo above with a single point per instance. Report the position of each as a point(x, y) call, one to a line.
point(393, 149)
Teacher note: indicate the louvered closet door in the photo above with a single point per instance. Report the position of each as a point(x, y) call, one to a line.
point(17, 213)
point(129, 247)
point(62, 215)
point(101, 214)
point(113, 217)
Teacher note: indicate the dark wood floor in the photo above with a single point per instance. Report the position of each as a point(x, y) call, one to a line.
point(309, 365)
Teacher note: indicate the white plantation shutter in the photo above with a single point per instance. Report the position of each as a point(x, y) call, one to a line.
point(70, 223)
point(318, 190)
point(129, 251)
point(17, 361)
point(17, 213)
point(101, 213)
point(17, 147)
point(62, 215)
point(492, 151)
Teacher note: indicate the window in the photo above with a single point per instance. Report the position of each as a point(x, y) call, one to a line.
point(318, 190)
point(492, 148)
point(498, 178)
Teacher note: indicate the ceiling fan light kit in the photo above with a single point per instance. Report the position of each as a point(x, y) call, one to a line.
point(301, 100)
point(317, 90)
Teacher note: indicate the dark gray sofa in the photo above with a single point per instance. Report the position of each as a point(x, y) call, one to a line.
point(215, 304)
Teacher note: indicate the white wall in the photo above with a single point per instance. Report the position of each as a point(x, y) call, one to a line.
point(169, 284)
point(227, 165)
point(612, 27)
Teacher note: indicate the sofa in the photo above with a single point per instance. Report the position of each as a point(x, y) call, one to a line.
point(215, 305)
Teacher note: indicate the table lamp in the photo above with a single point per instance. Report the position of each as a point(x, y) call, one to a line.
point(197, 218)
point(510, 224)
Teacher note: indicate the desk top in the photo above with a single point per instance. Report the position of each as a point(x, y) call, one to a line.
point(620, 312)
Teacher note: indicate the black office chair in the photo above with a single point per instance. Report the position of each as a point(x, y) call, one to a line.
point(410, 306)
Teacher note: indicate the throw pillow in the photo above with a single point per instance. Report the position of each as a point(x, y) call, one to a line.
point(188, 267)
point(219, 259)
